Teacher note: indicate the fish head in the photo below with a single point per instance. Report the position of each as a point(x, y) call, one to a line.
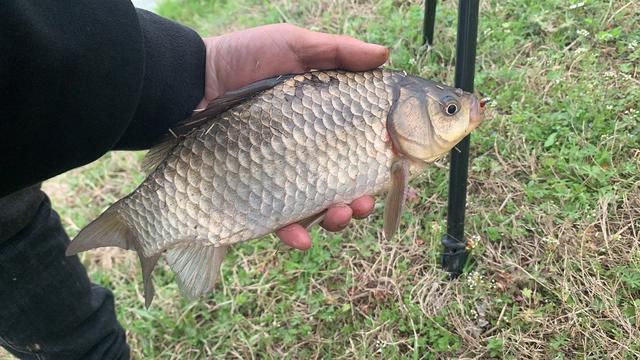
point(427, 119)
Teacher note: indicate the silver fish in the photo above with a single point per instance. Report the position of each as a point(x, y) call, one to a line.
point(276, 152)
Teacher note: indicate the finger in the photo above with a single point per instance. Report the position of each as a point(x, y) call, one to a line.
point(326, 51)
point(295, 236)
point(337, 218)
point(362, 207)
point(242, 57)
point(249, 55)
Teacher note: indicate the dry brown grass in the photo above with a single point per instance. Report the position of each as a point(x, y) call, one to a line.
point(556, 270)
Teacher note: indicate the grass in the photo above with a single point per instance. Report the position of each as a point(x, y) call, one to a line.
point(553, 207)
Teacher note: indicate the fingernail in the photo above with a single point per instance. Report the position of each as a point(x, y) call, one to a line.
point(380, 47)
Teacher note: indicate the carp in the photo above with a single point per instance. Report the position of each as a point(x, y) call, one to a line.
point(275, 152)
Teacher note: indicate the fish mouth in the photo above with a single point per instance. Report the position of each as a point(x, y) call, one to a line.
point(476, 115)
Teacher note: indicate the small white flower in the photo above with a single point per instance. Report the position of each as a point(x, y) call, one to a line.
point(582, 32)
point(575, 6)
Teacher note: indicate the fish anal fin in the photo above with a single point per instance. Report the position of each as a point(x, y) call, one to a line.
point(196, 266)
point(394, 202)
point(107, 230)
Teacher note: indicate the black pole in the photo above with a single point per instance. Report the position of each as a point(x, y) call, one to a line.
point(429, 21)
point(455, 253)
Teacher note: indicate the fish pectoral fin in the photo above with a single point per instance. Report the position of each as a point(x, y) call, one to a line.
point(197, 267)
point(312, 220)
point(394, 202)
point(107, 230)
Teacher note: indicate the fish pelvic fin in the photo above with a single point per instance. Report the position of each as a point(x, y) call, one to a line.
point(109, 229)
point(313, 220)
point(394, 203)
point(197, 267)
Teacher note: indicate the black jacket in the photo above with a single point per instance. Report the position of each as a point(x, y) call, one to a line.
point(80, 78)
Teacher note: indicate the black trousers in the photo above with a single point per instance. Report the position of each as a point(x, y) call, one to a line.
point(48, 307)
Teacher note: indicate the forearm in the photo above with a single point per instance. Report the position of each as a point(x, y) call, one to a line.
point(80, 79)
point(173, 83)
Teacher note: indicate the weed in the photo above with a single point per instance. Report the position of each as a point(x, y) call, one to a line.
point(553, 206)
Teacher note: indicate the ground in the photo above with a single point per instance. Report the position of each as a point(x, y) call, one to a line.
point(553, 207)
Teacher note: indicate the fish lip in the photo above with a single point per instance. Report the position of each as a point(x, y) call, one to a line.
point(476, 114)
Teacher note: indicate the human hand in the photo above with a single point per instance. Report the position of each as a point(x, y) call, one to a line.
point(240, 58)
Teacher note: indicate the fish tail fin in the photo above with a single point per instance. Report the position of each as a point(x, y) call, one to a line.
point(197, 267)
point(109, 229)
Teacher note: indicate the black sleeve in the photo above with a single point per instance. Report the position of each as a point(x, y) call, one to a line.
point(80, 78)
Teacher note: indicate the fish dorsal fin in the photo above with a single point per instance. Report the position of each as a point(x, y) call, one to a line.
point(158, 153)
point(394, 202)
point(216, 107)
point(196, 267)
point(225, 102)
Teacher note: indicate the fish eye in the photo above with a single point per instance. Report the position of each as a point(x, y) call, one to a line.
point(451, 108)
point(449, 105)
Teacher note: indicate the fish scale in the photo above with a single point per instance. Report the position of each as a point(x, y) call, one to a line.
point(279, 151)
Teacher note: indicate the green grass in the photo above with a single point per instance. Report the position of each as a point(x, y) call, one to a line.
point(554, 207)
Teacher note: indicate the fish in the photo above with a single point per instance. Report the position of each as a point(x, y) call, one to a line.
point(276, 152)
